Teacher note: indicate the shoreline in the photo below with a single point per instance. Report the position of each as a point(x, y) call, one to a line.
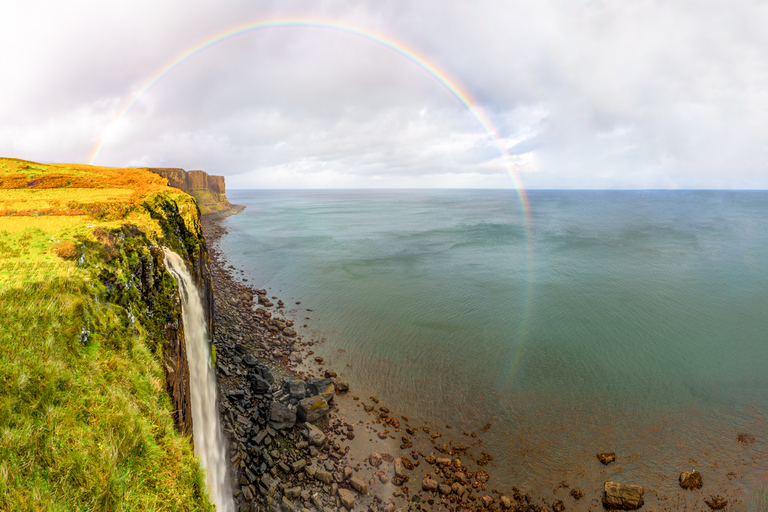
point(382, 460)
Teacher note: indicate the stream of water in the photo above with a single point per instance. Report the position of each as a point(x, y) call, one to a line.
point(207, 434)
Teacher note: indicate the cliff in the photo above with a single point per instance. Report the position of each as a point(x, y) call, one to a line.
point(94, 383)
point(206, 189)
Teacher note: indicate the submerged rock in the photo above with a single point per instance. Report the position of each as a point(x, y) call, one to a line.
point(623, 496)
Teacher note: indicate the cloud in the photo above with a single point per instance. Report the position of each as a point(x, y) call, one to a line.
point(583, 94)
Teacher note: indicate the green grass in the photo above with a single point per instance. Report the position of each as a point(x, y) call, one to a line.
point(85, 419)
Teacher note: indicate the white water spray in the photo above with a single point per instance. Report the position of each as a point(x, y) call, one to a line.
point(206, 429)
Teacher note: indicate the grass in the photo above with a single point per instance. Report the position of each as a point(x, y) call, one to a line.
point(85, 419)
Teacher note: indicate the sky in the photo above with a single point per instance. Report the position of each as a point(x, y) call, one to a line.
point(564, 94)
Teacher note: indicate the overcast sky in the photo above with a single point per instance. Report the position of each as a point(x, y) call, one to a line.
point(583, 93)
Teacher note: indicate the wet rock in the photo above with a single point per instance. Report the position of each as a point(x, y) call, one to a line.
point(312, 409)
point(315, 435)
point(374, 459)
point(606, 458)
point(280, 416)
point(622, 496)
point(690, 480)
point(347, 498)
point(358, 484)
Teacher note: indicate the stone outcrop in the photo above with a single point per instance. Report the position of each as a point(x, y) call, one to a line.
point(207, 190)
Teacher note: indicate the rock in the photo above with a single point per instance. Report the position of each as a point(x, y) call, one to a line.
point(249, 360)
point(577, 494)
point(442, 461)
point(358, 484)
point(247, 492)
point(265, 373)
point(444, 489)
point(716, 502)
point(458, 489)
point(428, 484)
point(259, 385)
point(295, 357)
point(558, 506)
point(280, 416)
point(342, 386)
point(286, 505)
point(383, 478)
point(312, 408)
point(486, 501)
point(399, 468)
point(348, 473)
point(505, 502)
point(606, 458)
point(321, 387)
point(298, 465)
point(622, 496)
point(329, 374)
point(347, 498)
point(289, 332)
point(324, 476)
point(295, 389)
point(374, 459)
point(315, 435)
point(690, 480)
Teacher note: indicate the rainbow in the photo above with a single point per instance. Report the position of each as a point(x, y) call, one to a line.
point(450, 85)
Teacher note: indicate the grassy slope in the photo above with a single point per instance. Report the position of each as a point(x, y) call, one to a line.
point(85, 421)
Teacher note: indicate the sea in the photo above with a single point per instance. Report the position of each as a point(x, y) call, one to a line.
point(580, 322)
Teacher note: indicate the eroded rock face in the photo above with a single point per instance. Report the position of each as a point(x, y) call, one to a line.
point(622, 496)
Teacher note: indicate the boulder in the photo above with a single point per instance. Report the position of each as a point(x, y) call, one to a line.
point(312, 409)
point(281, 416)
point(347, 498)
point(295, 389)
point(606, 458)
point(622, 496)
point(314, 435)
point(321, 387)
point(690, 480)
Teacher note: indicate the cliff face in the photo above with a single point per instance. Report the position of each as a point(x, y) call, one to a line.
point(209, 191)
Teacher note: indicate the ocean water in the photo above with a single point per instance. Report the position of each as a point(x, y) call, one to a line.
point(633, 322)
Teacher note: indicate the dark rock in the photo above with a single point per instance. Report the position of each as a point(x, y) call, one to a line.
point(249, 360)
point(295, 389)
point(558, 506)
point(606, 458)
point(265, 373)
point(259, 385)
point(622, 496)
point(280, 416)
point(312, 408)
point(690, 480)
point(577, 494)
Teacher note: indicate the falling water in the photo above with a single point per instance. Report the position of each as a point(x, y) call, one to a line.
point(209, 441)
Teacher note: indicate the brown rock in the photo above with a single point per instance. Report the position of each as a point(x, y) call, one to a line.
point(374, 459)
point(716, 502)
point(428, 484)
point(622, 496)
point(690, 480)
point(347, 498)
point(358, 484)
point(606, 458)
point(444, 489)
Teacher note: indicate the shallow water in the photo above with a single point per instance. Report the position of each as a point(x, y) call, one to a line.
point(639, 324)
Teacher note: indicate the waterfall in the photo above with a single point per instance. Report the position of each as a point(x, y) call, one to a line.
point(206, 429)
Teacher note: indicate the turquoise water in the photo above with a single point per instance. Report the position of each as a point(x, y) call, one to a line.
point(634, 322)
